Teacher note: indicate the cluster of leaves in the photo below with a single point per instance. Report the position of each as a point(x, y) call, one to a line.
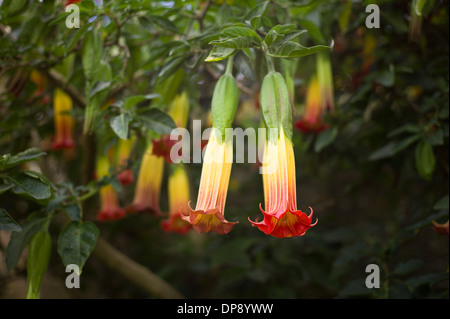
point(132, 55)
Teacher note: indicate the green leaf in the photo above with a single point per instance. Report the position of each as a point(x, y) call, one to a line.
point(99, 87)
point(92, 51)
point(313, 31)
point(20, 158)
point(237, 42)
point(157, 120)
point(30, 183)
point(235, 32)
point(253, 17)
point(73, 211)
point(443, 203)
point(133, 100)
point(5, 187)
point(425, 160)
point(325, 138)
point(119, 124)
point(393, 148)
point(291, 49)
point(278, 32)
point(7, 222)
point(407, 267)
point(19, 240)
point(76, 242)
point(219, 53)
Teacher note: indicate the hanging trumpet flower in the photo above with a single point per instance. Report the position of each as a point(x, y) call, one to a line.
point(37, 78)
point(281, 216)
point(125, 176)
point(178, 192)
point(311, 120)
point(148, 186)
point(325, 80)
point(179, 111)
point(62, 105)
point(110, 208)
point(208, 214)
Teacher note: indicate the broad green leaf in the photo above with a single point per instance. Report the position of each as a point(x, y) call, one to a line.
point(19, 240)
point(325, 138)
point(27, 183)
point(76, 242)
point(73, 211)
point(91, 54)
point(99, 87)
point(219, 53)
point(157, 120)
point(133, 100)
point(25, 156)
point(119, 124)
point(234, 32)
point(7, 222)
point(291, 49)
point(241, 42)
point(425, 160)
point(313, 31)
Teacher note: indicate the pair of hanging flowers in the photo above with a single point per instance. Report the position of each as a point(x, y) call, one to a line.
point(281, 216)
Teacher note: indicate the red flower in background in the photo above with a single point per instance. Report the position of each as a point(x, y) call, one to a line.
point(311, 120)
point(110, 208)
point(62, 105)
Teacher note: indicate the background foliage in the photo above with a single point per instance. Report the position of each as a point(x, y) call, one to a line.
point(376, 178)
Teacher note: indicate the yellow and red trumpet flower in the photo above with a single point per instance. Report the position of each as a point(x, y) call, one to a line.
point(208, 214)
point(110, 208)
point(148, 185)
point(281, 216)
point(125, 175)
point(179, 111)
point(311, 120)
point(209, 211)
point(178, 193)
point(64, 123)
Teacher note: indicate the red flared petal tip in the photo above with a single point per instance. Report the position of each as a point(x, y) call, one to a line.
point(110, 215)
point(441, 228)
point(209, 220)
point(126, 177)
point(290, 224)
point(65, 144)
point(144, 209)
point(175, 224)
point(307, 127)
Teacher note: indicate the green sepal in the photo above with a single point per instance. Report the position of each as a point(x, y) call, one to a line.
point(224, 103)
point(276, 105)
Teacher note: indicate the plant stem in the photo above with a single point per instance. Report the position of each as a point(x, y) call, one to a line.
point(229, 65)
point(270, 65)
